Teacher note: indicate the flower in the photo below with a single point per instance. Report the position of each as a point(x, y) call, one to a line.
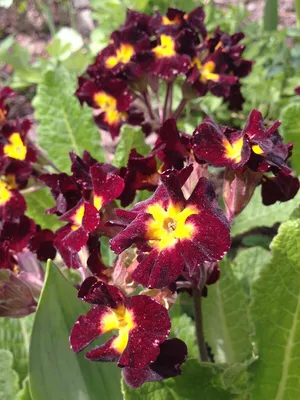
point(173, 353)
point(113, 100)
point(5, 93)
point(173, 233)
point(142, 324)
point(278, 188)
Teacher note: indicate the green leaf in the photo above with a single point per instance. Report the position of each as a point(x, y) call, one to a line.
point(276, 315)
point(198, 381)
point(65, 42)
point(248, 264)
point(24, 393)
point(183, 328)
point(8, 377)
point(37, 203)
point(226, 320)
point(291, 131)
point(15, 336)
point(130, 138)
point(256, 214)
point(55, 372)
point(64, 125)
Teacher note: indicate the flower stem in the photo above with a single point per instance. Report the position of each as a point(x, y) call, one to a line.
point(148, 104)
point(180, 108)
point(199, 324)
point(168, 100)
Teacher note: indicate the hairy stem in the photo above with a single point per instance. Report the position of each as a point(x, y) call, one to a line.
point(199, 324)
point(180, 108)
point(148, 104)
point(168, 100)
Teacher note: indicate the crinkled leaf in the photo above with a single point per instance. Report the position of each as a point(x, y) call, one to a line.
point(198, 381)
point(291, 131)
point(183, 328)
point(8, 377)
point(15, 336)
point(130, 138)
point(256, 214)
point(37, 203)
point(248, 264)
point(64, 125)
point(276, 315)
point(226, 320)
point(55, 372)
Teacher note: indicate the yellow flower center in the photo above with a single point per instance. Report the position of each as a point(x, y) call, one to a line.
point(5, 194)
point(206, 70)
point(123, 55)
point(15, 148)
point(109, 105)
point(234, 150)
point(121, 319)
point(3, 113)
point(167, 21)
point(257, 149)
point(166, 47)
point(167, 226)
point(78, 217)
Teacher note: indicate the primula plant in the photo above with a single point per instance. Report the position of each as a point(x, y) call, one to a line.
point(151, 275)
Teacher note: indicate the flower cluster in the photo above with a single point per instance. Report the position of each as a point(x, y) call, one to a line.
point(23, 244)
point(148, 51)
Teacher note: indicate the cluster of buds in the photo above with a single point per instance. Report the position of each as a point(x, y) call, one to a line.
point(149, 54)
point(23, 244)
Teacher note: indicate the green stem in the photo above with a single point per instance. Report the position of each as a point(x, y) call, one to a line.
point(199, 324)
point(297, 7)
point(271, 15)
point(148, 104)
point(168, 100)
point(180, 108)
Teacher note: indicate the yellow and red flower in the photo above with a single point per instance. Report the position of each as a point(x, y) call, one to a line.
point(113, 100)
point(142, 324)
point(5, 93)
point(172, 233)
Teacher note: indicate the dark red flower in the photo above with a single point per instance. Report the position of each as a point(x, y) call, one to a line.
point(12, 203)
point(142, 324)
point(5, 93)
point(173, 353)
point(113, 100)
point(278, 188)
point(17, 233)
point(220, 147)
point(140, 174)
point(41, 243)
point(297, 90)
point(172, 146)
point(173, 233)
point(13, 142)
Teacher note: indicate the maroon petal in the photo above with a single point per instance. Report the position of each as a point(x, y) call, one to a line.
point(106, 352)
point(88, 328)
point(107, 187)
point(279, 188)
point(97, 292)
point(173, 353)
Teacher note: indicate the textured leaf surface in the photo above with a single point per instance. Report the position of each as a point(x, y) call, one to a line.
point(15, 336)
point(37, 203)
point(24, 393)
point(56, 373)
point(248, 264)
point(8, 377)
point(196, 382)
point(130, 138)
point(183, 328)
point(276, 314)
point(64, 125)
point(291, 131)
point(227, 326)
point(256, 214)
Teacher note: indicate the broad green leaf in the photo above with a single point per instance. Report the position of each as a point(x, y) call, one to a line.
point(130, 138)
point(248, 264)
point(198, 381)
point(37, 203)
point(237, 379)
point(15, 336)
point(183, 328)
point(291, 131)
point(256, 214)
point(55, 372)
point(64, 125)
point(226, 320)
point(276, 315)
point(8, 377)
